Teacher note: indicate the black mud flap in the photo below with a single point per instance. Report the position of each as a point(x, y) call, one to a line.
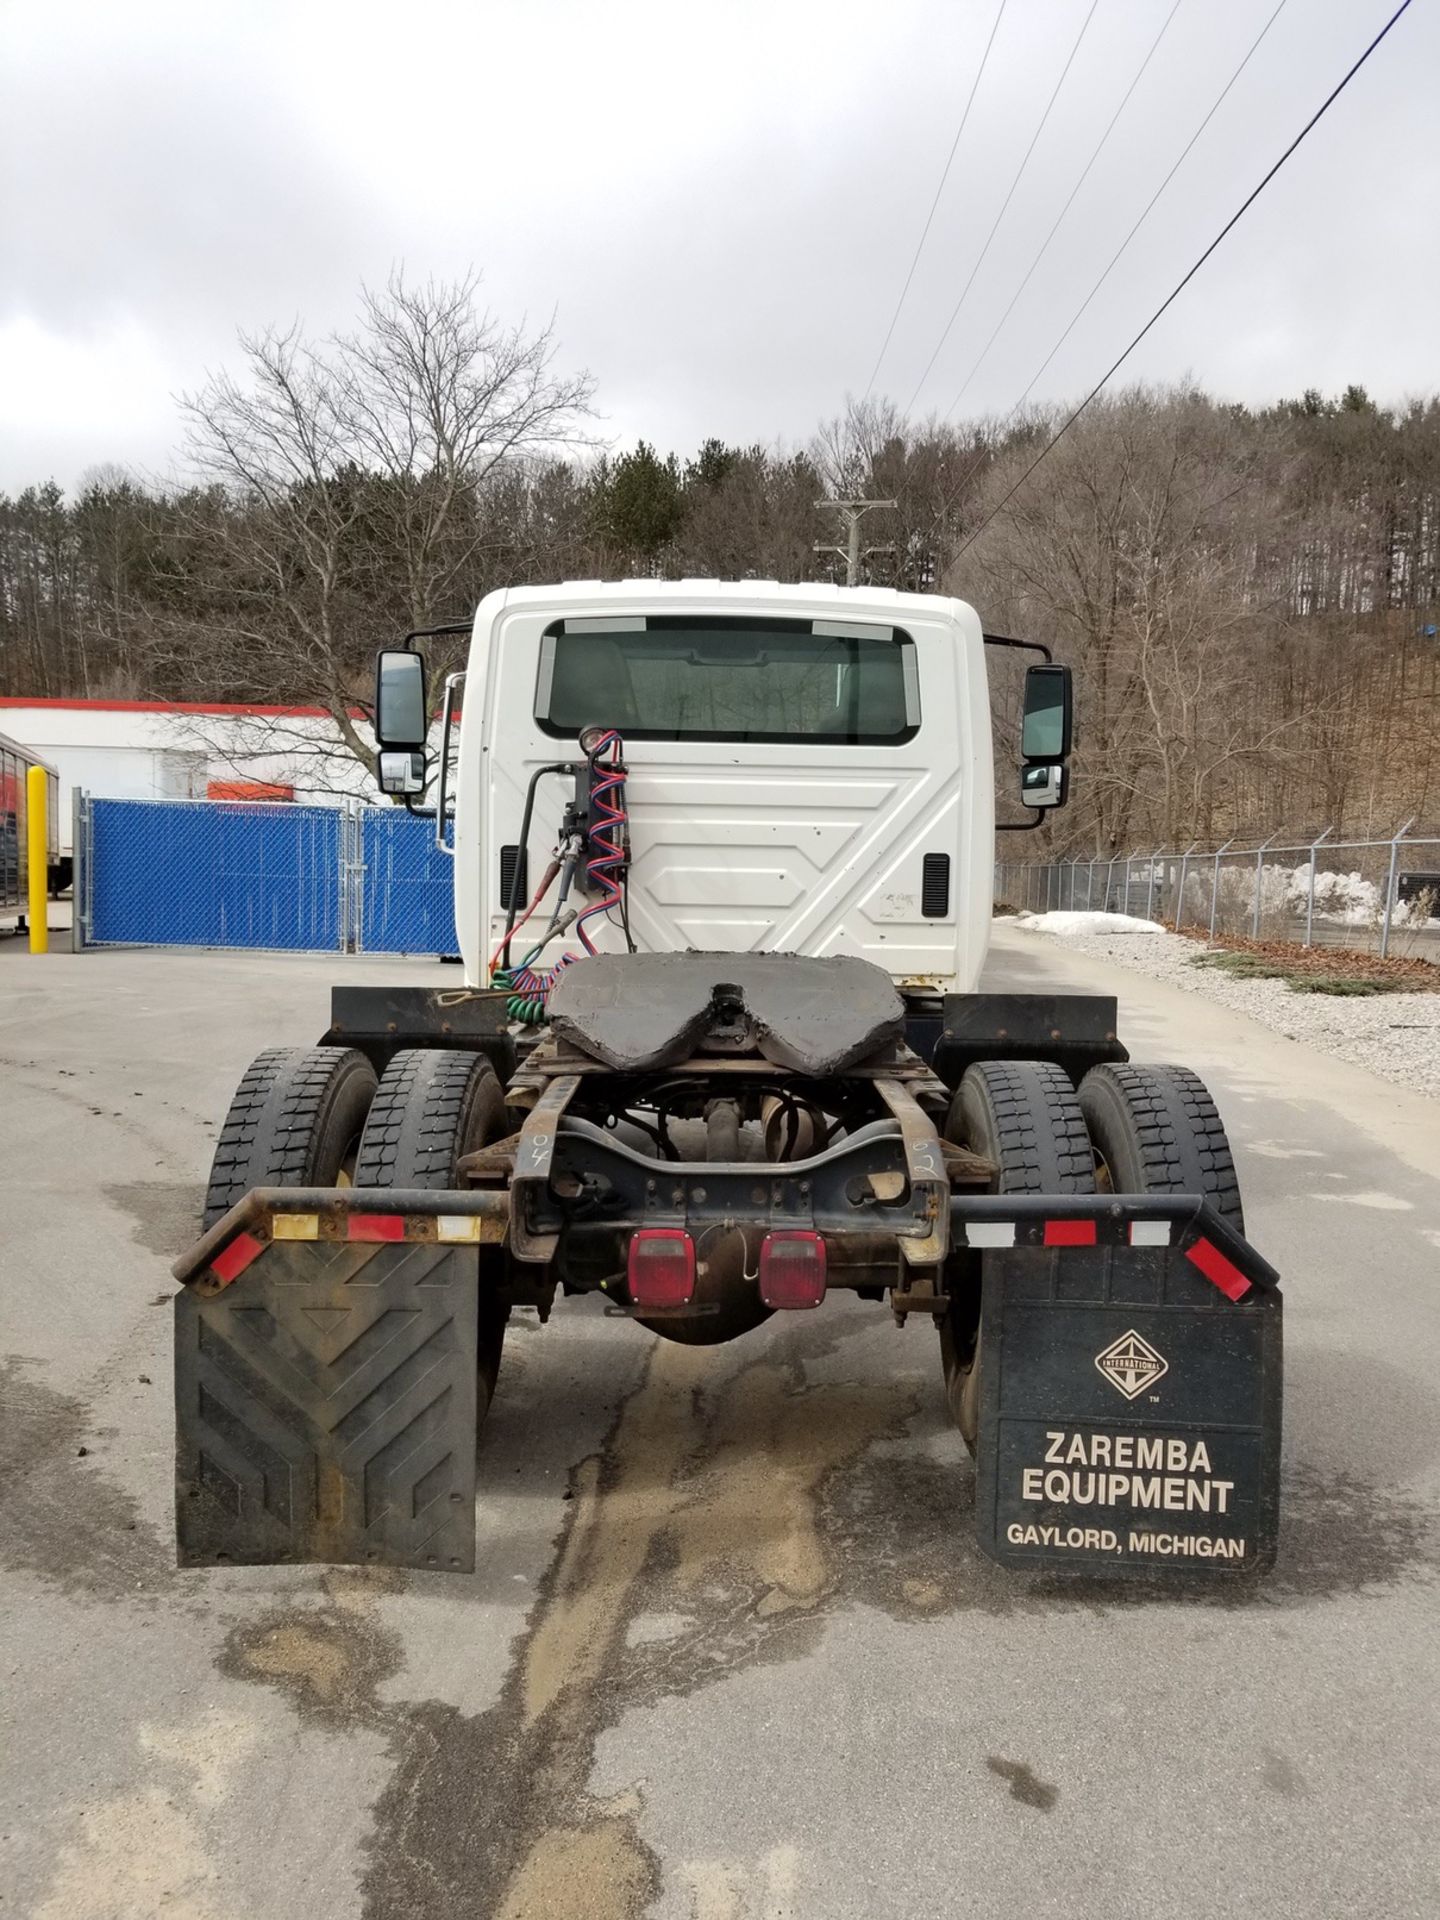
point(326, 1407)
point(1129, 1408)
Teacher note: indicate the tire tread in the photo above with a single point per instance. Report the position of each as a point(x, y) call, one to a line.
point(419, 1118)
point(1175, 1129)
point(270, 1134)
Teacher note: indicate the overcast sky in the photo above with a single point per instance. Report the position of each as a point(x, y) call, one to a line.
point(718, 201)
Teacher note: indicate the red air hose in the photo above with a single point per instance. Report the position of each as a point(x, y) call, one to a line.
point(608, 820)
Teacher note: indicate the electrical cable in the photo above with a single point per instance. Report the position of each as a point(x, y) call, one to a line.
point(514, 926)
point(1070, 201)
point(1004, 205)
point(929, 218)
point(513, 903)
point(1182, 283)
point(605, 868)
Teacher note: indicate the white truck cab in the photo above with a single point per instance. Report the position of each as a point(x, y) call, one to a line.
point(808, 767)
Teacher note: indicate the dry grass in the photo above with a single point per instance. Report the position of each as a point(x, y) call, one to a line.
point(1332, 970)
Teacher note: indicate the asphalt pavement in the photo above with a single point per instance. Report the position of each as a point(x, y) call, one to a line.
point(731, 1653)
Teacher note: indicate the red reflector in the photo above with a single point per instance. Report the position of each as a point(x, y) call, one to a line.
point(1216, 1268)
point(235, 1256)
point(375, 1226)
point(661, 1267)
point(1070, 1233)
point(792, 1270)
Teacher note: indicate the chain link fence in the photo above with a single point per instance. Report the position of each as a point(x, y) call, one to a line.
point(269, 875)
point(1372, 896)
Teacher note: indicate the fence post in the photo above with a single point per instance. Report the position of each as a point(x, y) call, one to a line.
point(1150, 887)
point(80, 869)
point(1259, 882)
point(1390, 886)
point(352, 900)
point(1310, 901)
point(1180, 890)
point(1215, 888)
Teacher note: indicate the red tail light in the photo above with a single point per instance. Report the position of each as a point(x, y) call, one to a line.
point(661, 1268)
point(792, 1270)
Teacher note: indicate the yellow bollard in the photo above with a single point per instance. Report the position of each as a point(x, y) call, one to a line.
point(38, 859)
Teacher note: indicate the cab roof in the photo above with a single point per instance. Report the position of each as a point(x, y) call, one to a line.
point(887, 603)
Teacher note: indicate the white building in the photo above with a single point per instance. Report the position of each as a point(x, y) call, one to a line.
point(157, 750)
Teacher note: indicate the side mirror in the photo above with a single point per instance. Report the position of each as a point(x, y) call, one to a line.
point(402, 772)
point(1044, 786)
point(401, 715)
point(1045, 729)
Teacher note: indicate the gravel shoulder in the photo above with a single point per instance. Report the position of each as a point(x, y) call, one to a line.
point(1395, 1035)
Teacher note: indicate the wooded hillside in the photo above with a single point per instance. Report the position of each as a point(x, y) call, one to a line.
point(1249, 598)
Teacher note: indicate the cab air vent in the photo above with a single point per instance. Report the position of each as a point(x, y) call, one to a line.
point(510, 859)
point(935, 886)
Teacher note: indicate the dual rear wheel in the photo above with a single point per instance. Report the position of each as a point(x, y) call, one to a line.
point(1127, 1129)
point(318, 1117)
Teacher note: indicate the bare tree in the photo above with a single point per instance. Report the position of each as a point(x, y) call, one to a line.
point(355, 471)
point(1133, 549)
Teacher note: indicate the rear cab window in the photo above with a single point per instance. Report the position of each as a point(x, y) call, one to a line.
point(684, 677)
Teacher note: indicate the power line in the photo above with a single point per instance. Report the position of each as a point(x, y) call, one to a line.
point(1079, 312)
point(1215, 105)
point(1045, 243)
point(1181, 284)
point(929, 218)
point(995, 226)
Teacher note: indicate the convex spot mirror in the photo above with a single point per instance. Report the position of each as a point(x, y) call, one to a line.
point(401, 718)
point(402, 771)
point(1045, 728)
point(1043, 786)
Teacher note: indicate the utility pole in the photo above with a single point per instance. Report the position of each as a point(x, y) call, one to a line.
point(850, 552)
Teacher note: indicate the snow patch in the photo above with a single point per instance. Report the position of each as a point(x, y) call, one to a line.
point(1081, 923)
point(1381, 1202)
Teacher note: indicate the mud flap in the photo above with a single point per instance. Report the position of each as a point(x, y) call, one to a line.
point(326, 1408)
point(1129, 1412)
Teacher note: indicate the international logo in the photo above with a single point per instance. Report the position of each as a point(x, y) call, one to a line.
point(1131, 1365)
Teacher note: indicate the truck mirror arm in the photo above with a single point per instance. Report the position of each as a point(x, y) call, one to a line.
point(1024, 646)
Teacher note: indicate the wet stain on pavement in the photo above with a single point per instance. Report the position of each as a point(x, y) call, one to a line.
point(704, 1506)
point(740, 1502)
point(166, 1213)
point(60, 1516)
point(1025, 1785)
point(1282, 1776)
point(330, 1660)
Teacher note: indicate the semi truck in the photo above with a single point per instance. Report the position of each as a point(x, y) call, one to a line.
point(723, 859)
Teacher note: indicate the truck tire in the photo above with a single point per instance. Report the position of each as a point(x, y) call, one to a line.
point(295, 1121)
point(1024, 1117)
point(432, 1108)
point(1157, 1130)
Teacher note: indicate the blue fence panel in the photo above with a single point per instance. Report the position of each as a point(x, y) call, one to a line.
point(408, 903)
point(214, 873)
